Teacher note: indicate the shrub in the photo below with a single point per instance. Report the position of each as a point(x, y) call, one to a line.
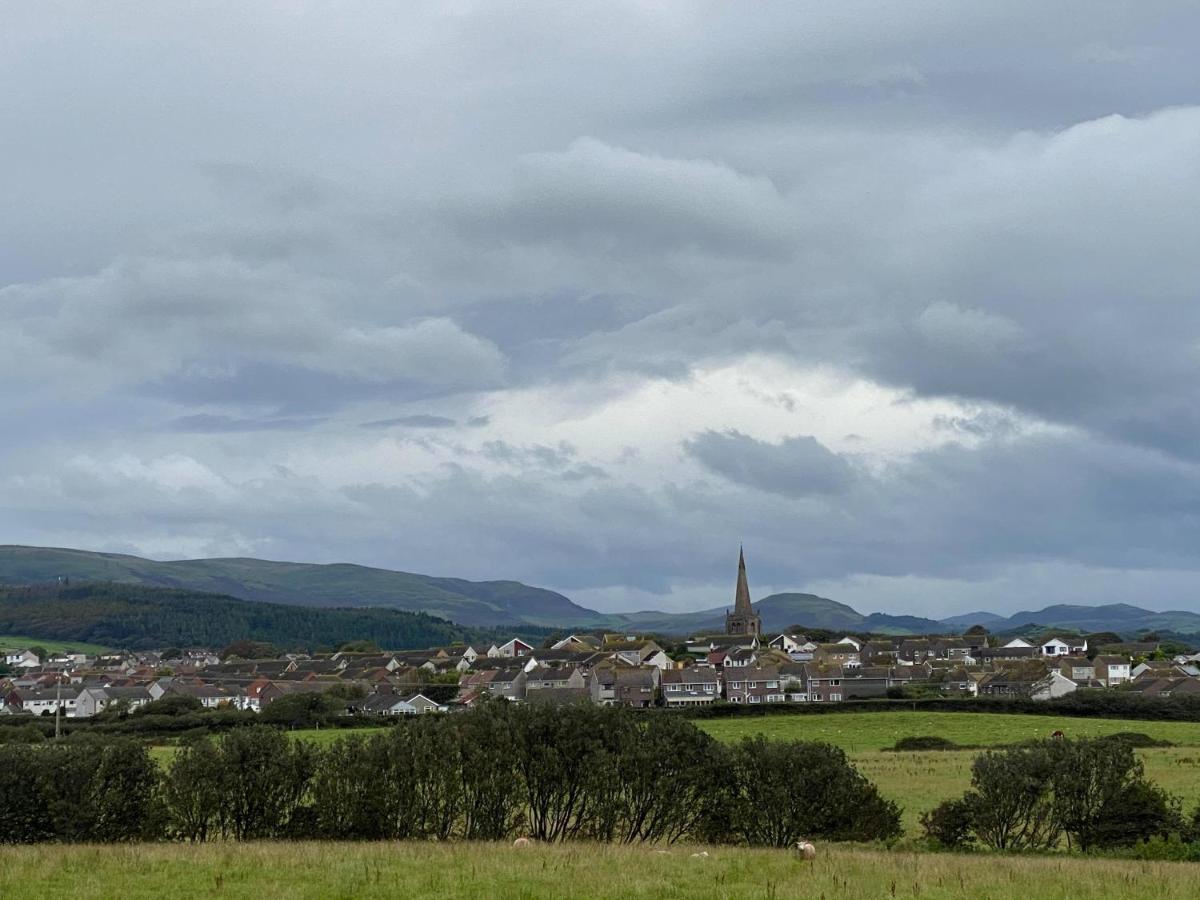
point(924, 742)
point(788, 790)
point(950, 824)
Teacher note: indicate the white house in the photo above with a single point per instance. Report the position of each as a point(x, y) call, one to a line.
point(1055, 684)
point(1019, 642)
point(21, 659)
point(1057, 646)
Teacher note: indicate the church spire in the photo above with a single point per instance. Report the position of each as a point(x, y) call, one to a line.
point(741, 597)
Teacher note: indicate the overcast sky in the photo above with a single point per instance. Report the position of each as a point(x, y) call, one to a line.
point(902, 295)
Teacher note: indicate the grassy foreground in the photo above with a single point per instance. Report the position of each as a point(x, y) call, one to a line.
point(321, 870)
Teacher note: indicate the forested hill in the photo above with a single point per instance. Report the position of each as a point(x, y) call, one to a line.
point(479, 603)
point(138, 617)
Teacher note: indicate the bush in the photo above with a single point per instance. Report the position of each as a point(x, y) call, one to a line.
point(24, 734)
point(950, 824)
point(1137, 739)
point(788, 790)
point(924, 742)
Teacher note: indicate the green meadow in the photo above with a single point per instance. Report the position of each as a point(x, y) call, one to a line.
point(920, 781)
point(499, 872)
point(22, 640)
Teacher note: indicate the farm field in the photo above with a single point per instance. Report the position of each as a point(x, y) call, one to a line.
point(327, 870)
point(856, 732)
point(21, 640)
point(920, 781)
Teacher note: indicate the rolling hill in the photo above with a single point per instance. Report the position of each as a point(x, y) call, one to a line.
point(1122, 618)
point(515, 606)
point(486, 603)
point(778, 611)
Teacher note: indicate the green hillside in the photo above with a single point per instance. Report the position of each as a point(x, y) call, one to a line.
point(490, 603)
point(144, 617)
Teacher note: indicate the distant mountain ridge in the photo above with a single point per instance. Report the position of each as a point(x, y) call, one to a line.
point(779, 611)
point(1122, 618)
point(512, 604)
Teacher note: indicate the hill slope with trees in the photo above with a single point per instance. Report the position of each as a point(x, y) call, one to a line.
point(140, 617)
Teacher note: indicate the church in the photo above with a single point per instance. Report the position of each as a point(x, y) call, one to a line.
point(743, 620)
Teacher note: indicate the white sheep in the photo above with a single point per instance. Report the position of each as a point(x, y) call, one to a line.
point(805, 850)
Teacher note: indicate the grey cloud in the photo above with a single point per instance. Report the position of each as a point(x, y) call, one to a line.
point(600, 197)
point(796, 466)
point(419, 420)
point(440, 208)
point(218, 424)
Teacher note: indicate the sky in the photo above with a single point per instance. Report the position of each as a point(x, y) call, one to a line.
point(903, 296)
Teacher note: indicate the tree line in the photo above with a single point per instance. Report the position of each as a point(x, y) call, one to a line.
point(493, 773)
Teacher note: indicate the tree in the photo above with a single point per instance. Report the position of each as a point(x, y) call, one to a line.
point(951, 823)
point(360, 647)
point(788, 790)
point(1012, 798)
point(267, 774)
point(306, 709)
point(249, 650)
point(1102, 799)
point(977, 629)
point(192, 788)
point(491, 806)
point(22, 813)
point(170, 705)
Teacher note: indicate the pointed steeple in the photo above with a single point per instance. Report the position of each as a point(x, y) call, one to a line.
point(741, 597)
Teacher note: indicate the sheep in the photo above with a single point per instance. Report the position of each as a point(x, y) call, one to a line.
point(522, 842)
point(805, 850)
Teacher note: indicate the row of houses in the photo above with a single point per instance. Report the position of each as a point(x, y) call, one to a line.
point(609, 669)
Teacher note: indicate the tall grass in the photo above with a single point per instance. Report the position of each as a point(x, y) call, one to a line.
point(317, 870)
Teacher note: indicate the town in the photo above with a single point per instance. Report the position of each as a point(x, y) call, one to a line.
point(737, 666)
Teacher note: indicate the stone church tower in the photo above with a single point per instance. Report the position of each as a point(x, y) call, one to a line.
point(743, 620)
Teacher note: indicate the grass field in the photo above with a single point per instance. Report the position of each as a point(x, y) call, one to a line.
point(419, 870)
point(21, 640)
point(920, 781)
point(863, 731)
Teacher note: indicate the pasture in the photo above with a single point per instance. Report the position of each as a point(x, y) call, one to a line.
point(328, 870)
point(21, 640)
point(920, 781)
